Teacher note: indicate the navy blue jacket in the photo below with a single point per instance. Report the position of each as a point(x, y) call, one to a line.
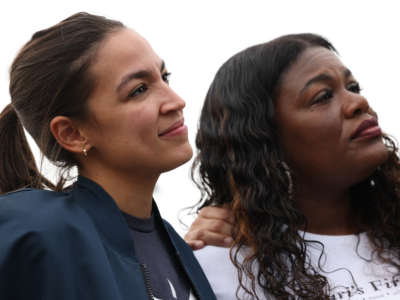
point(76, 245)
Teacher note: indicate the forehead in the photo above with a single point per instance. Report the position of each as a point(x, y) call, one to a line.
point(122, 52)
point(313, 61)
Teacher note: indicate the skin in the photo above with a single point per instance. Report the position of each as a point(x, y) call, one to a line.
point(316, 121)
point(212, 226)
point(131, 108)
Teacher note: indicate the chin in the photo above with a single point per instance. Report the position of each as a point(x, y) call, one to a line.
point(180, 158)
point(373, 161)
point(381, 155)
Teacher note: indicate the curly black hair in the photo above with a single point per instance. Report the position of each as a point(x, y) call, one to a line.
point(239, 161)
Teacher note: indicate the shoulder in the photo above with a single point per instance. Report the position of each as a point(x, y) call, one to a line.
point(46, 238)
point(220, 271)
point(43, 229)
point(25, 200)
point(209, 255)
point(39, 213)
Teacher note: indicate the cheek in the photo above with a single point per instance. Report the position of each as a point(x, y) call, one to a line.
point(308, 142)
point(143, 123)
point(139, 120)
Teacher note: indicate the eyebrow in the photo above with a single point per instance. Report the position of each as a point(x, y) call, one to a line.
point(323, 77)
point(137, 75)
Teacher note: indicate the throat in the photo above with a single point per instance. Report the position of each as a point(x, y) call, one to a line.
point(328, 214)
point(132, 194)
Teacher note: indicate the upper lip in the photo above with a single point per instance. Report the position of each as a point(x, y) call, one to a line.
point(175, 125)
point(364, 125)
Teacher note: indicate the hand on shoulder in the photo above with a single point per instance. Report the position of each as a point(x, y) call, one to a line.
point(213, 226)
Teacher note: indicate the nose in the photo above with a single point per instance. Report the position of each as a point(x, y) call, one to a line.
point(355, 104)
point(172, 102)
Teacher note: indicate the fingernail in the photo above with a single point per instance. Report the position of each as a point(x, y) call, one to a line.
point(199, 244)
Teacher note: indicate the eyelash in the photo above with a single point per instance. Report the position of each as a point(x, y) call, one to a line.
point(143, 87)
point(327, 93)
point(354, 87)
point(137, 91)
point(166, 77)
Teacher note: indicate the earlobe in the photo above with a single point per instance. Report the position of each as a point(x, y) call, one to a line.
point(68, 134)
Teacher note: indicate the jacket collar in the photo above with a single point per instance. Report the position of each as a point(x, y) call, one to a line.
point(106, 215)
point(108, 219)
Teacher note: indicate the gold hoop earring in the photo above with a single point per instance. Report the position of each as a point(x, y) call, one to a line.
point(289, 178)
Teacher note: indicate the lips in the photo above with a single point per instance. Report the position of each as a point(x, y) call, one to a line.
point(175, 127)
point(367, 128)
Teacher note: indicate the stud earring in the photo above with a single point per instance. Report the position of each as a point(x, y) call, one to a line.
point(372, 183)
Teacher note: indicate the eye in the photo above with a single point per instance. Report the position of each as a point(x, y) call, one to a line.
point(322, 96)
point(166, 77)
point(354, 87)
point(137, 91)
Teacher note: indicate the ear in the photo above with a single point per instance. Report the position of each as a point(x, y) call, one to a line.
point(68, 134)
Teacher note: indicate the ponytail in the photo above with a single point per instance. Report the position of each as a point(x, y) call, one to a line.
point(17, 165)
point(49, 77)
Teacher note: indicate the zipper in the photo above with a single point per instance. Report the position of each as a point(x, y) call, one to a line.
point(146, 277)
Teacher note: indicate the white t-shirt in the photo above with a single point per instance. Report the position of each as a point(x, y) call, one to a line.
point(347, 262)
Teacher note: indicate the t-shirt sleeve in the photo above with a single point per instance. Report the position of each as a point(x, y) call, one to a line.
point(220, 271)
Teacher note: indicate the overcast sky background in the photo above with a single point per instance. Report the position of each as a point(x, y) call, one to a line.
point(196, 37)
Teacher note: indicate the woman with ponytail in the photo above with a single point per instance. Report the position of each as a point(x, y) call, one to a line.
point(295, 168)
point(18, 166)
point(93, 95)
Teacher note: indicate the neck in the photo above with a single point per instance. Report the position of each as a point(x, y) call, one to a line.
point(327, 210)
point(133, 193)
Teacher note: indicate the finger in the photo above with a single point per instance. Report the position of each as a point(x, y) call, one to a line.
point(213, 212)
point(196, 245)
point(209, 238)
point(217, 226)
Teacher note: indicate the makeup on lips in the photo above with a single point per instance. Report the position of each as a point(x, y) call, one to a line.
point(367, 129)
point(178, 128)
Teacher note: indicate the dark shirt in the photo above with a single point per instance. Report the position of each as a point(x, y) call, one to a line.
point(159, 263)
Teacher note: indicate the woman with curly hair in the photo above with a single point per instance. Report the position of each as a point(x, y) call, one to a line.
point(309, 183)
point(94, 95)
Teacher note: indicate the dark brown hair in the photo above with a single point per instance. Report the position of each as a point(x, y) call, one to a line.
point(49, 77)
point(240, 163)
